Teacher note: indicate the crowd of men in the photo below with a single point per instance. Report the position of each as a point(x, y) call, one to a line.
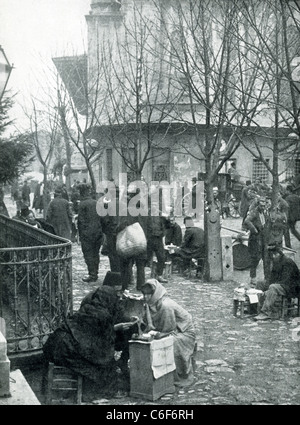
point(268, 225)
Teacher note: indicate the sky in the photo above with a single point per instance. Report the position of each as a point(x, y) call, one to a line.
point(34, 31)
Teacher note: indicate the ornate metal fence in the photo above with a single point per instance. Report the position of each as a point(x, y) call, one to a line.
point(35, 284)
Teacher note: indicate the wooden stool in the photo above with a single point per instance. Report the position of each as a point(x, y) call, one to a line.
point(288, 305)
point(245, 307)
point(60, 380)
point(197, 265)
point(167, 269)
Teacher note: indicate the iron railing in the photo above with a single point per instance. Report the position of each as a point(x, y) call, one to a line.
point(35, 284)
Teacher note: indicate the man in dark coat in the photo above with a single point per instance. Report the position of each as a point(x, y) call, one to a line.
point(38, 197)
point(140, 260)
point(26, 193)
point(156, 232)
point(195, 194)
point(64, 192)
point(59, 215)
point(247, 196)
point(255, 222)
point(173, 234)
point(109, 225)
point(293, 201)
point(285, 281)
point(193, 245)
point(87, 341)
point(90, 232)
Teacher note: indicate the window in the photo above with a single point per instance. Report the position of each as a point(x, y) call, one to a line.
point(161, 164)
point(292, 167)
point(259, 171)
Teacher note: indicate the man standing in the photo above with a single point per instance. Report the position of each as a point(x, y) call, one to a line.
point(59, 215)
point(38, 197)
point(195, 194)
point(156, 232)
point(90, 232)
point(285, 281)
point(126, 263)
point(109, 225)
point(234, 175)
point(26, 193)
point(255, 222)
point(64, 191)
point(247, 196)
point(293, 201)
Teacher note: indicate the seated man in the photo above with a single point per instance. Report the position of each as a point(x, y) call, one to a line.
point(285, 281)
point(193, 245)
point(86, 342)
point(173, 234)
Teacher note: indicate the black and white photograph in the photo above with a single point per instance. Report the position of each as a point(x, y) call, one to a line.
point(150, 205)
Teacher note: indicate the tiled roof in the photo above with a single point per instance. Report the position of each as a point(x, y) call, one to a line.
point(73, 72)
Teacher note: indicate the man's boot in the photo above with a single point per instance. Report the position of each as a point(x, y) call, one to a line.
point(90, 278)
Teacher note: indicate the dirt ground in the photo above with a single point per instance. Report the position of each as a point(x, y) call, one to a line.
point(238, 362)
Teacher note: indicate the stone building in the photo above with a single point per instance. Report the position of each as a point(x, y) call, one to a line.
point(156, 130)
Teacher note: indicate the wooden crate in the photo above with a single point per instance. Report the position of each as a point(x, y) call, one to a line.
point(142, 381)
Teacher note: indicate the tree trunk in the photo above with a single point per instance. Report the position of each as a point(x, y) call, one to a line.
point(212, 229)
point(46, 193)
point(92, 177)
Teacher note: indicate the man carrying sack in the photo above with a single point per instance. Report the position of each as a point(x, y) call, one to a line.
point(131, 242)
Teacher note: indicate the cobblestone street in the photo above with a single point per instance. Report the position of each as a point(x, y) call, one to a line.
point(239, 361)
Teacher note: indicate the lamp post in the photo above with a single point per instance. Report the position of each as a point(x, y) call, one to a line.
point(5, 71)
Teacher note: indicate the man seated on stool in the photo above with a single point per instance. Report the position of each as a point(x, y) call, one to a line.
point(193, 245)
point(87, 341)
point(285, 281)
point(173, 234)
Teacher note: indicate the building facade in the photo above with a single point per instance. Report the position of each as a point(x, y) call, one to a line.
point(144, 118)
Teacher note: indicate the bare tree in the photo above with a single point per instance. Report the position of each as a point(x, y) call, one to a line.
point(201, 44)
point(273, 36)
point(44, 133)
point(139, 97)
